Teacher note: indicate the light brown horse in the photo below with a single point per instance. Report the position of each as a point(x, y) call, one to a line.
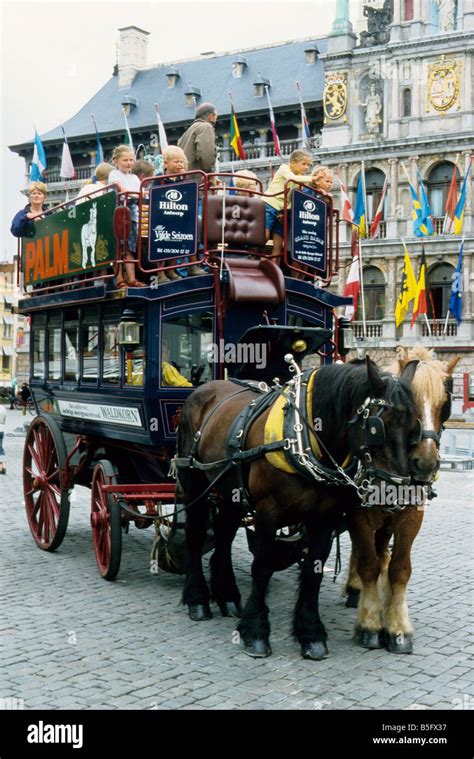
point(377, 578)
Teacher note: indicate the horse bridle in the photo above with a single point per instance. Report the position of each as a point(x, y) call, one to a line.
point(374, 428)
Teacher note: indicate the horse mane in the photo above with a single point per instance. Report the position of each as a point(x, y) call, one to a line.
point(344, 387)
point(429, 382)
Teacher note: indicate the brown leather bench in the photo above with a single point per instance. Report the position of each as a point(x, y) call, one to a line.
point(244, 221)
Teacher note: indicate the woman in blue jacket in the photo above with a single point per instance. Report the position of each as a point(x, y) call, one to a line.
point(37, 193)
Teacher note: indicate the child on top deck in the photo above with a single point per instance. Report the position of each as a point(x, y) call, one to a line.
point(123, 160)
point(297, 169)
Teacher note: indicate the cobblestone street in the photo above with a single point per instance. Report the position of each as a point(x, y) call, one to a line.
point(71, 640)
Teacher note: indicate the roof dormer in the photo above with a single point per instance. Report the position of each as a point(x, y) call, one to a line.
point(259, 85)
point(192, 95)
point(239, 65)
point(172, 76)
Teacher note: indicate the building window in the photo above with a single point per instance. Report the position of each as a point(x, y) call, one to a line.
point(190, 100)
point(374, 182)
point(374, 295)
point(237, 69)
point(259, 90)
point(5, 363)
point(438, 184)
point(440, 280)
point(407, 10)
point(310, 56)
point(406, 102)
point(171, 80)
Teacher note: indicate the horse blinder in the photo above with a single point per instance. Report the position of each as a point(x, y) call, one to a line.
point(375, 431)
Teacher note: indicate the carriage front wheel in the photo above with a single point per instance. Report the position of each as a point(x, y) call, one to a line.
point(46, 497)
point(106, 521)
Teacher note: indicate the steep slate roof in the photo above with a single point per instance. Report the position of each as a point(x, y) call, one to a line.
point(282, 64)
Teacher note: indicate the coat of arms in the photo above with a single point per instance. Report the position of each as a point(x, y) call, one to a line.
point(444, 85)
point(335, 96)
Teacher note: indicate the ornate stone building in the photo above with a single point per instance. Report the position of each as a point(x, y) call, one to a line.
point(398, 95)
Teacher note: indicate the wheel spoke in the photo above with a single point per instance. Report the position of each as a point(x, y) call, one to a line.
point(35, 457)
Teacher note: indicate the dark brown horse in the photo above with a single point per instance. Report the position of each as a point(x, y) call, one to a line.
point(378, 578)
point(347, 404)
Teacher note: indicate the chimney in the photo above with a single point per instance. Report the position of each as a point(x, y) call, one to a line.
point(133, 48)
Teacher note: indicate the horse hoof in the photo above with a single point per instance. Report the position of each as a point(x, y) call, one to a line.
point(352, 600)
point(199, 612)
point(399, 643)
point(371, 639)
point(258, 648)
point(231, 609)
point(316, 650)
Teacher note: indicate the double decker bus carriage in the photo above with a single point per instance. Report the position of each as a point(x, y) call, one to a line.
point(111, 367)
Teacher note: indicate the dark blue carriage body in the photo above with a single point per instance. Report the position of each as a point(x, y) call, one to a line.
point(236, 320)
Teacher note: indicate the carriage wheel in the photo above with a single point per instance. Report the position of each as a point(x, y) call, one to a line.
point(106, 521)
point(46, 498)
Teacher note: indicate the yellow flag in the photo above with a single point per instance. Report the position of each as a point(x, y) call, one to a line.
point(408, 290)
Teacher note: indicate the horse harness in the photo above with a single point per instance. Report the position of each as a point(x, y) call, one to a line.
point(298, 449)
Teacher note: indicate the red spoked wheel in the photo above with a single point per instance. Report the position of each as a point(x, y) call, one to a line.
point(46, 499)
point(106, 521)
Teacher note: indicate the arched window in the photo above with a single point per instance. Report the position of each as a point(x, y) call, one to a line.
point(374, 182)
point(374, 295)
point(439, 181)
point(407, 14)
point(406, 102)
point(440, 280)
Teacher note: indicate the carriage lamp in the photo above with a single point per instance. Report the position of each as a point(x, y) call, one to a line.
point(345, 336)
point(298, 346)
point(129, 329)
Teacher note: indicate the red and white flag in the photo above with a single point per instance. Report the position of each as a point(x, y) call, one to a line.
point(346, 209)
point(352, 288)
point(451, 202)
point(161, 131)
point(379, 213)
point(67, 170)
point(276, 140)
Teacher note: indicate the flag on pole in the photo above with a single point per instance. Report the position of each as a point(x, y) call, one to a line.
point(38, 163)
point(347, 212)
point(352, 287)
point(234, 135)
point(100, 153)
point(276, 140)
point(360, 214)
point(306, 133)
point(455, 301)
point(427, 226)
point(161, 131)
point(459, 211)
point(67, 170)
point(379, 213)
point(451, 202)
point(420, 306)
point(408, 290)
point(127, 140)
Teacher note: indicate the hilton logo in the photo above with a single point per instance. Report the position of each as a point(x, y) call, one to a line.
point(173, 196)
point(309, 206)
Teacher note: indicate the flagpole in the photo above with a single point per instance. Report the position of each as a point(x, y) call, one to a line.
point(426, 315)
point(361, 279)
point(446, 226)
point(364, 191)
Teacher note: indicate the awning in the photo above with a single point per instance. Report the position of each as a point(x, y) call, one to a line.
point(7, 351)
point(8, 319)
point(9, 300)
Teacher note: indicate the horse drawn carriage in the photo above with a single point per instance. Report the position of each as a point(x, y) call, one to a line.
point(116, 371)
point(111, 367)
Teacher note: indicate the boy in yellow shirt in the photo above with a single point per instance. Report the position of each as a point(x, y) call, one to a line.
point(297, 168)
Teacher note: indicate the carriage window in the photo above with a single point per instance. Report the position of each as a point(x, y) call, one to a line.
point(186, 355)
point(111, 355)
point(54, 349)
point(71, 341)
point(90, 346)
point(39, 338)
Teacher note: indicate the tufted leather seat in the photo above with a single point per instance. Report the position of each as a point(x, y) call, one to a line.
point(255, 281)
point(244, 221)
